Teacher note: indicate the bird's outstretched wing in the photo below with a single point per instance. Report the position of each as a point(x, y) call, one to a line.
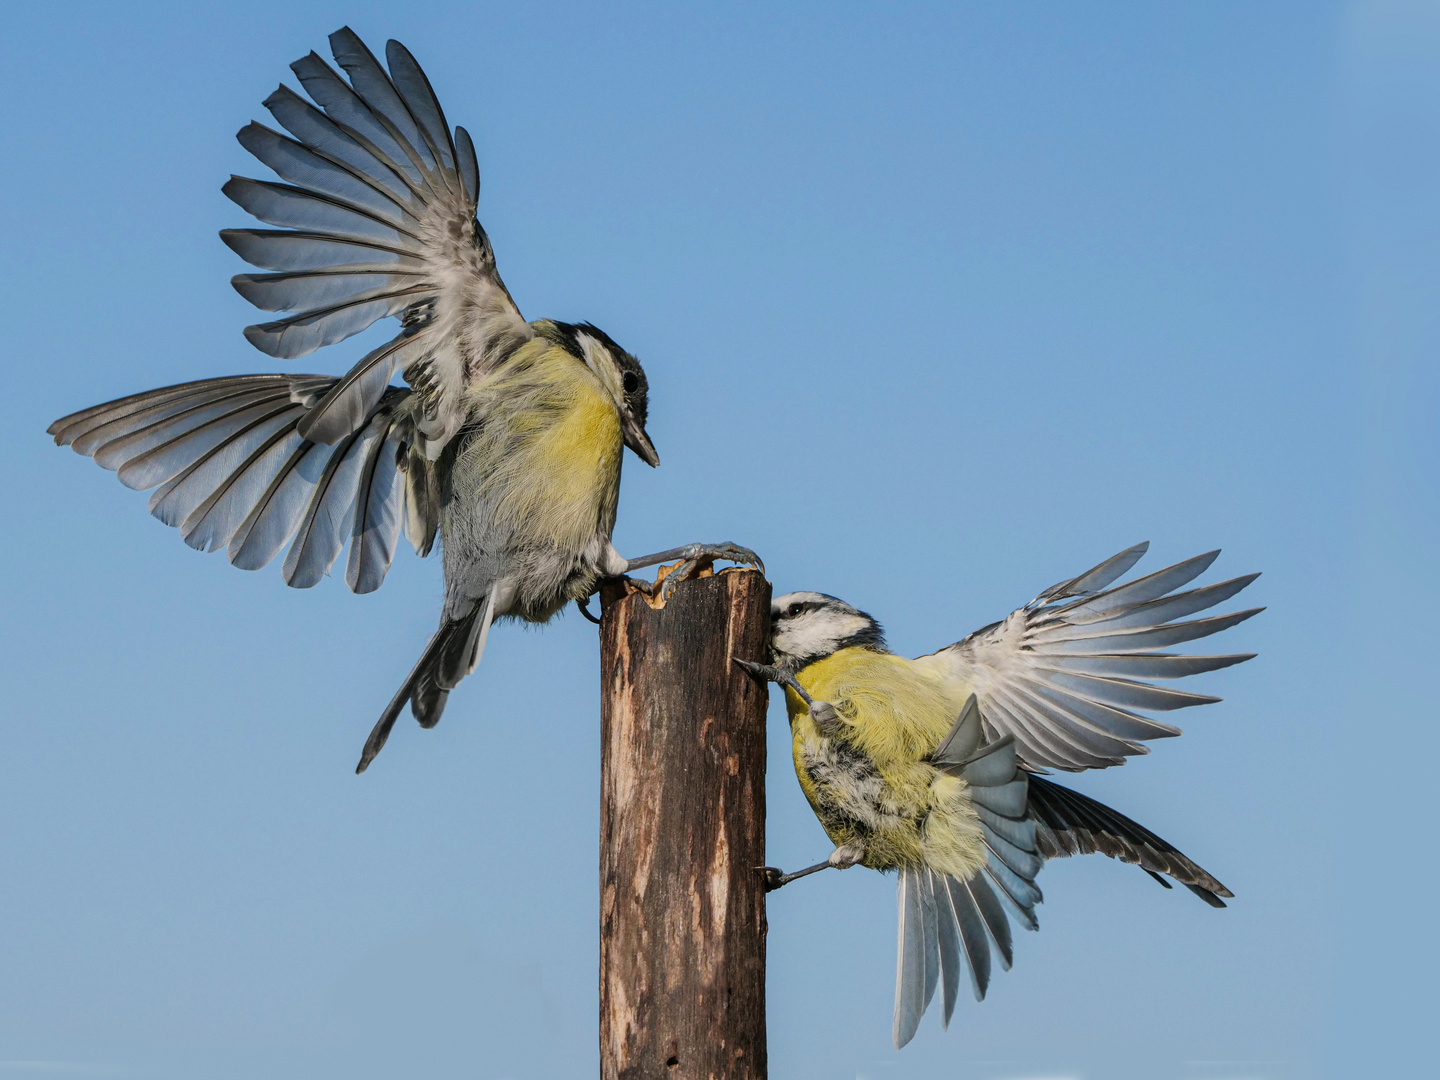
point(942, 919)
point(1065, 673)
point(377, 218)
point(1073, 824)
point(235, 471)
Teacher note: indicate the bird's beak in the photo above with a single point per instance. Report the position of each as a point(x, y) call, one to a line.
point(637, 440)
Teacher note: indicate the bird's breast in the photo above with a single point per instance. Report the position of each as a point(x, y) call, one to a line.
point(869, 778)
point(543, 461)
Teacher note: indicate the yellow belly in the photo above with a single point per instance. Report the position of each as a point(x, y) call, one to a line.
point(872, 784)
point(550, 444)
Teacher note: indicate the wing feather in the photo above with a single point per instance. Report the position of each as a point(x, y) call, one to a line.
point(1147, 639)
point(1133, 593)
point(1064, 673)
point(212, 471)
point(213, 523)
point(355, 116)
point(300, 335)
point(972, 934)
point(349, 401)
point(1074, 824)
point(374, 88)
point(994, 915)
point(379, 508)
point(380, 204)
point(157, 452)
point(315, 131)
point(419, 97)
point(324, 527)
point(276, 514)
point(469, 165)
point(296, 208)
point(311, 170)
point(1056, 732)
point(1144, 665)
point(1097, 577)
point(85, 422)
point(1169, 608)
point(299, 292)
point(86, 436)
point(301, 252)
point(235, 470)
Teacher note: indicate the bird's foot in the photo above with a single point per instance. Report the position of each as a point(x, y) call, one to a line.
point(825, 717)
point(842, 858)
point(698, 559)
point(772, 877)
point(695, 560)
point(763, 672)
point(775, 675)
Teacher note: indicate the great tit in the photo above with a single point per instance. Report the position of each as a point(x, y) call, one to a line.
point(507, 442)
point(928, 766)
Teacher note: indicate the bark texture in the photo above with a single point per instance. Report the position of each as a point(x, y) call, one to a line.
point(682, 831)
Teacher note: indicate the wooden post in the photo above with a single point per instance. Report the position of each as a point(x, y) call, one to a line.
point(682, 831)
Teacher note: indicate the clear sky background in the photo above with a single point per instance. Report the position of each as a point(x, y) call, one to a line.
point(939, 305)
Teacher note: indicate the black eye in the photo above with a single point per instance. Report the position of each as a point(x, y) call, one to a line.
point(794, 609)
point(630, 381)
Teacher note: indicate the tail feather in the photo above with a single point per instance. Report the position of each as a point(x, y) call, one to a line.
point(916, 907)
point(463, 651)
point(946, 924)
point(449, 656)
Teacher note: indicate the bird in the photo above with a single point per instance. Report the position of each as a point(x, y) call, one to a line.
point(504, 445)
point(936, 768)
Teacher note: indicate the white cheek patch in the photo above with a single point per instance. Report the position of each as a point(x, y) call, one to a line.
point(817, 633)
point(599, 360)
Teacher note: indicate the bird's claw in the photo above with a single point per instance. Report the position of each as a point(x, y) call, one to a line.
point(763, 672)
point(698, 557)
point(767, 673)
point(772, 877)
point(729, 551)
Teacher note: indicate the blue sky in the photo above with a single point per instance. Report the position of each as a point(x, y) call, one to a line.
point(939, 305)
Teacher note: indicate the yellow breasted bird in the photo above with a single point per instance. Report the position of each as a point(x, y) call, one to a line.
point(928, 767)
point(507, 442)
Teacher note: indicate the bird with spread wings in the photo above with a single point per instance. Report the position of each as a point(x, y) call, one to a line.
point(933, 767)
point(506, 441)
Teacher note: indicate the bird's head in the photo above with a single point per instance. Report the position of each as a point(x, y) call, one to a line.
point(809, 626)
point(623, 376)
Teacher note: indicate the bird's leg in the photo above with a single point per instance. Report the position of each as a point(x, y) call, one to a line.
point(693, 558)
point(842, 858)
point(774, 877)
point(822, 712)
point(773, 674)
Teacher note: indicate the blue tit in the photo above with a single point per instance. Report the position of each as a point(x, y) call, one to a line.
point(928, 767)
point(506, 443)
